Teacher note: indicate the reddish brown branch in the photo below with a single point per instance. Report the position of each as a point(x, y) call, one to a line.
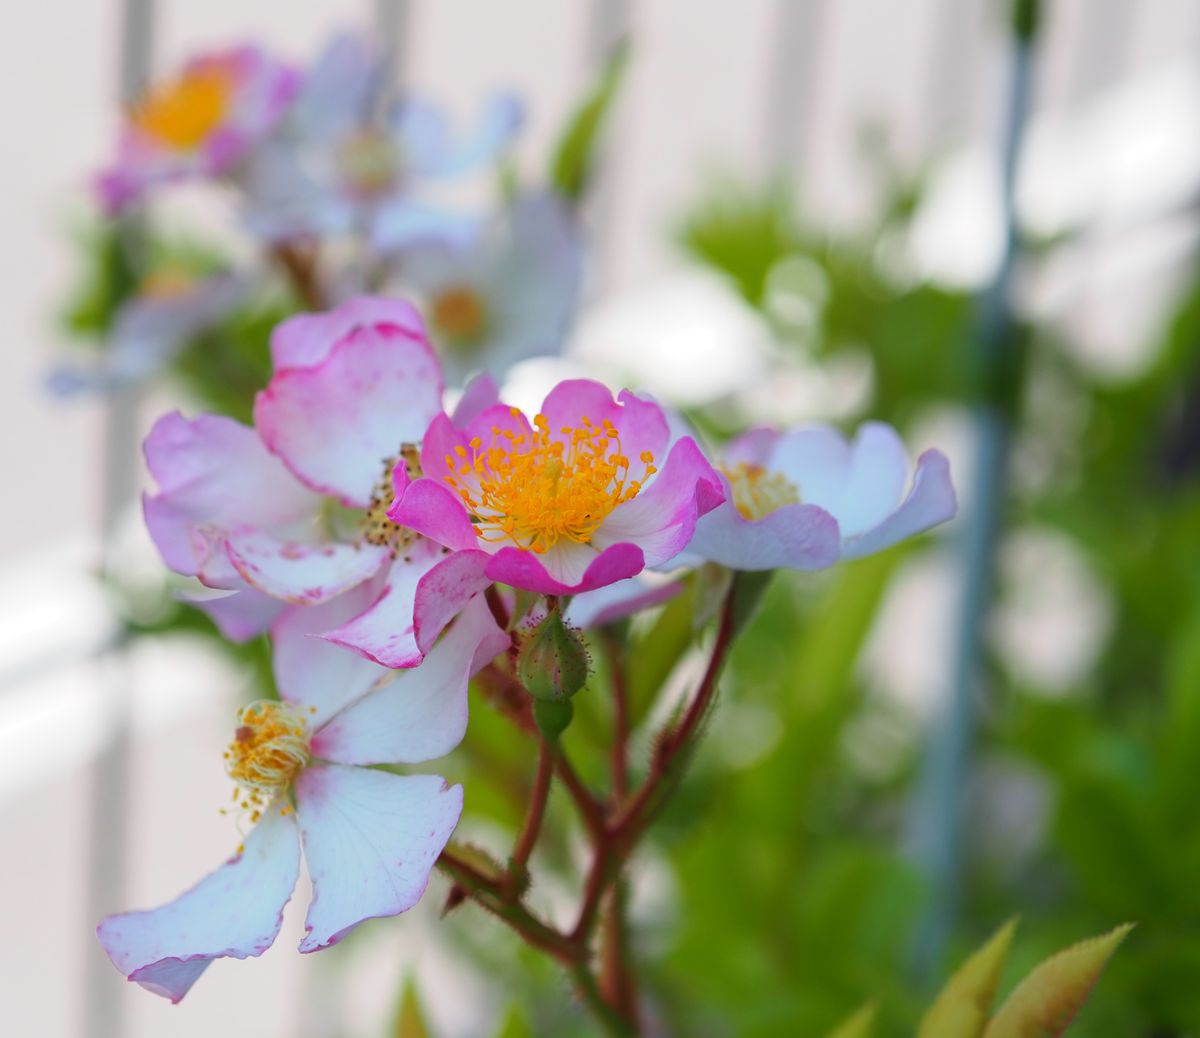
point(518, 873)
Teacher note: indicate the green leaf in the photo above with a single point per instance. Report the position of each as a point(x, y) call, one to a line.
point(515, 1025)
point(1045, 1002)
point(860, 1025)
point(574, 158)
point(962, 1008)
point(410, 1020)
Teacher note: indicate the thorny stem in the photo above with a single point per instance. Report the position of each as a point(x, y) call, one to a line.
point(614, 832)
point(518, 872)
point(619, 760)
point(632, 820)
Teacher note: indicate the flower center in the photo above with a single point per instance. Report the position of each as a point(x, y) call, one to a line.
point(376, 527)
point(166, 282)
point(459, 314)
point(369, 162)
point(181, 114)
point(757, 492)
point(270, 745)
point(537, 489)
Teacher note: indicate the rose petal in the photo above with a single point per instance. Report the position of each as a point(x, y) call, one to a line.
point(235, 911)
point(370, 841)
point(931, 501)
point(335, 424)
point(305, 340)
point(419, 714)
point(303, 574)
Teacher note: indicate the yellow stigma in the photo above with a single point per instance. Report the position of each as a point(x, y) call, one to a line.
point(459, 314)
point(182, 113)
point(537, 489)
point(757, 492)
point(270, 746)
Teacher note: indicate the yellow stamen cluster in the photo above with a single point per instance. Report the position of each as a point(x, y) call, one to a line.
point(540, 488)
point(377, 528)
point(182, 113)
point(369, 162)
point(459, 314)
point(758, 492)
point(270, 746)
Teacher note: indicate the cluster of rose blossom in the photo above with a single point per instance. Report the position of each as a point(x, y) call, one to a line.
point(390, 547)
point(320, 161)
point(364, 528)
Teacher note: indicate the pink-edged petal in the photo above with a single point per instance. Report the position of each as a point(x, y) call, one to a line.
point(662, 518)
point(416, 604)
point(859, 483)
point(753, 447)
point(931, 501)
point(335, 424)
point(303, 574)
point(418, 714)
point(235, 912)
point(431, 508)
point(609, 604)
point(311, 672)
point(641, 423)
point(478, 395)
point(801, 537)
point(444, 438)
point(213, 472)
point(306, 339)
point(524, 569)
point(370, 841)
point(239, 615)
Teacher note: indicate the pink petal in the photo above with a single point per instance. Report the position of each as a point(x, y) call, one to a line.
point(524, 569)
point(478, 395)
point(235, 911)
point(214, 472)
point(310, 671)
point(802, 537)
point(420, 714)
point(931, 501)
point(662, 518)
point(752, 447)
point(640, 422)
point(370, 842)
point(418, 601)
point(306, 339)
point(431, 508)
point(858, 483)
point(614, 602)
point(239, 615)
point(337, 423)
point(303, 574)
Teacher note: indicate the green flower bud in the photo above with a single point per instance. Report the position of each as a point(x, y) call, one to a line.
point(553, 663)
point(552, 716)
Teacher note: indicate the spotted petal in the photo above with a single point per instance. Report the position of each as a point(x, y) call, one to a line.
point(370, 841)
point(235, 912)
point(303, 574)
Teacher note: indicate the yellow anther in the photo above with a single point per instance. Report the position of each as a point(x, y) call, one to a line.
point(758, 492)
point(536, 489)
point(270, 746)
point(183, 113)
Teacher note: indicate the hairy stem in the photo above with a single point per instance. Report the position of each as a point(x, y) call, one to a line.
point(619, 758)
point(518, 872)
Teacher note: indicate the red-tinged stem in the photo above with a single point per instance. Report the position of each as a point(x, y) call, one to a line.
point(619, 760)
point(617, 984)
point(518, 873)
point(671, 744)
point(497, 606)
